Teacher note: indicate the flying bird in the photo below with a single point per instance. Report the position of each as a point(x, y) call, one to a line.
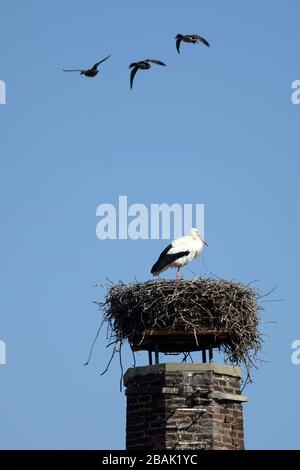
point(142, 65)
point(193, 38)
point(179, 253)
point(92, 72)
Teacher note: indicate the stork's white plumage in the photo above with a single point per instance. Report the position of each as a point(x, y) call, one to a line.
point(179, 253)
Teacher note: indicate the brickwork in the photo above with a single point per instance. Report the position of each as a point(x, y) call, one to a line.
point(184, 406)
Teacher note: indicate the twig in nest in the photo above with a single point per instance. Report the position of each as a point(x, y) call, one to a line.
point(92, 347)
point(109, 362)
point(121, 366)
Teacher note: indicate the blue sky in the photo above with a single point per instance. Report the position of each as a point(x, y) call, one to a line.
point(216, 126)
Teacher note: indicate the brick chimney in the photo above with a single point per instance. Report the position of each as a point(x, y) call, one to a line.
point(184, 406)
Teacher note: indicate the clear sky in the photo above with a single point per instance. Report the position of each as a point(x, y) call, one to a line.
point(216, 126)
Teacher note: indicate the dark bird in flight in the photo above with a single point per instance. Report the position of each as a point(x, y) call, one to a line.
point(193, 38)
point(142, 65)
point(92, 72)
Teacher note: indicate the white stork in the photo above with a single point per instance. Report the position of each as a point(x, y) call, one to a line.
point(179, 253)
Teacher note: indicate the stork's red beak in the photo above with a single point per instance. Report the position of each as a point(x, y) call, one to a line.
point(203, 241)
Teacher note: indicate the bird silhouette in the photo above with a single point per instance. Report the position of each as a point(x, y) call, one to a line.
point(179, 253)
point(92, 72)
point(142, 65)
point(193, 38)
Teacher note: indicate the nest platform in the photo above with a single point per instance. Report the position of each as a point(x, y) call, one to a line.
point(179, 340)
point(185, 316)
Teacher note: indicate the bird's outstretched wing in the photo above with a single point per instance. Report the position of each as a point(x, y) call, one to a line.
point(75, 70)
point(100, 62)
point(178, 42)
point(132, 74)
point(204, 41)
point(154, 61)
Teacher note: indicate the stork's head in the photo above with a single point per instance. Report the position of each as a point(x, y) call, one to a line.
point(196, 235)
point(179, 36)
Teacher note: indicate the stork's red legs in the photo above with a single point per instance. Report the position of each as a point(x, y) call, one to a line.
point(178, 274)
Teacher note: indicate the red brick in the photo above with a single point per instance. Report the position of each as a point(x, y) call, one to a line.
point(155, 422)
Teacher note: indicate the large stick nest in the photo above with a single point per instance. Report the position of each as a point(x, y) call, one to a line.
point(193, 306)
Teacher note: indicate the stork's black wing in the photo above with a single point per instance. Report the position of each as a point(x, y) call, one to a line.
point(178, 42)
point(100, 62)
point(166, 258)
point(154, 61)
point(204, 41)
point(132, 74)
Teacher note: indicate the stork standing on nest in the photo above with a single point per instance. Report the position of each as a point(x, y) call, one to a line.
point(179, 253)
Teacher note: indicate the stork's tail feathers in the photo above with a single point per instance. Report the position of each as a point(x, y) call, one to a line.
point(159, 266)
